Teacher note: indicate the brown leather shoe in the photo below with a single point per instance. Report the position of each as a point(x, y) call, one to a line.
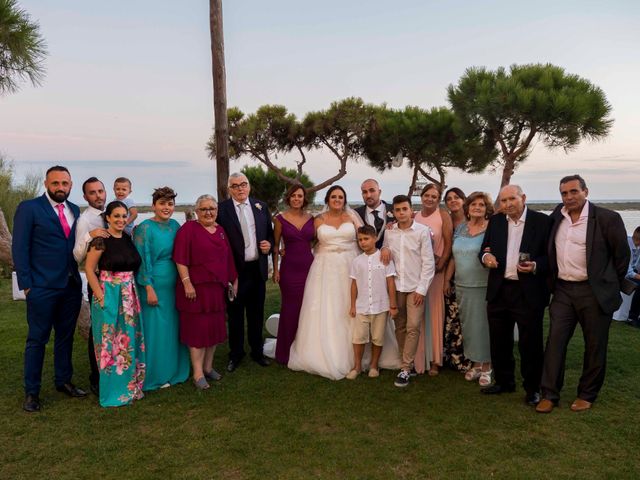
point(580, 405)
point(545, 406)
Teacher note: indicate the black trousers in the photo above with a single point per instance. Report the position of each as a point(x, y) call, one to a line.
point(573, 303)
point(250, 300)
point(509, 308)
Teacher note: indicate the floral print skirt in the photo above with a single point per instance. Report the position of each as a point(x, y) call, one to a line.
point(118, 340)
point(453, 348)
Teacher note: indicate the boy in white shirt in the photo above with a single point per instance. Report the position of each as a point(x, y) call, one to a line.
point(373, 296)
point(410, 246)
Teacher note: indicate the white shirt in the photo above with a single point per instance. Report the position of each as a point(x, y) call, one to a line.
point(371, 275)
point(67, 211)
point(251, 251)
point(571, 246)
point(89, 220)
point(514, 239)
point(413, 257)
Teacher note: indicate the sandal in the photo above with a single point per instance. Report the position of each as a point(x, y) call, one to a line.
point(485, 378)
point(213, 375)
point(433, 371)
point(201, 383)
point(473, 374)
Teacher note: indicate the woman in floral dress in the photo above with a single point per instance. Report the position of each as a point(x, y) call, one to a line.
point(115, 312)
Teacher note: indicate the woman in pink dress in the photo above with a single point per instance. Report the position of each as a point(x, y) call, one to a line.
point(429, 354)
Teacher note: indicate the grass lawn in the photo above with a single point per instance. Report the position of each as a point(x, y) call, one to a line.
point(272, 423)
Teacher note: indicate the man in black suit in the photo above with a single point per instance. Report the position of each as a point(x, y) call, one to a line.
point(247, 222)
point(374, 212)
point(589, 256)
point(515, 251)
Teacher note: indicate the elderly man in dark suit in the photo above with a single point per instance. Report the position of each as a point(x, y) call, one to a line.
point(374, 212)
point(43, 240)
point(247, 222)
point(515, 251)
point(589, 256)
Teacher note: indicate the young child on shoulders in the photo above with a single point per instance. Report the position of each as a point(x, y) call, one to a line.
point(373, 297)
point(122, 191)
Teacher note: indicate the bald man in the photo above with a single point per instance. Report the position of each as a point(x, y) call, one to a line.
point(515, 251)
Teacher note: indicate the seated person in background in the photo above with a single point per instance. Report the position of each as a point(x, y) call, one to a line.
point(634, 275)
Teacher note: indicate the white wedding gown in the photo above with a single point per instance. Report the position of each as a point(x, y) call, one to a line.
point(323, 341)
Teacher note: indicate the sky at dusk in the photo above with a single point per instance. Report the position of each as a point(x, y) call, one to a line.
point(128, 89)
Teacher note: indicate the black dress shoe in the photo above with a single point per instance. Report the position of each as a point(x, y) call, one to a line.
point(232, 365)
point(497, 389)
point(31, 403)
point(532, 399)
point(262, 361)
point(71, 390)
point(95, 389)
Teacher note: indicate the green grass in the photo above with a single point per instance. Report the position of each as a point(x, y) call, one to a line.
point(273, 423)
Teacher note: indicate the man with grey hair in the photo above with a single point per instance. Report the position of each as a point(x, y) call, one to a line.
point(514, 249)
point(589, 257)
point(247, 222)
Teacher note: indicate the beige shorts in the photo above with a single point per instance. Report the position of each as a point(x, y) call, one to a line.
point(369, 328)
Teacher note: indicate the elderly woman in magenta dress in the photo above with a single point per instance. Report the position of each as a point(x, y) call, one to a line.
point(471, 286)
point(295, 228)
point(115, 313)
point(205, 270)
point(430, 346)
point(167, 358)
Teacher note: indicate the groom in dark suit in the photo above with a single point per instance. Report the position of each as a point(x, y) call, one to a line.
point(43, 240)
point(588, 256)
point(374, 212)
point(247, 222)
point(517, 291)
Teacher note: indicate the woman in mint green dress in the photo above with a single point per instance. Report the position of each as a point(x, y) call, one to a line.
point(471, 286)
point(167, 358)
point(118, 335)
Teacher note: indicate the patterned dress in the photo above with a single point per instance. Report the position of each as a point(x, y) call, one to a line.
point(117, 328)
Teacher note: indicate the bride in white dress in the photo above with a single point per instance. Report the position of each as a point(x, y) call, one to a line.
point(323, 341)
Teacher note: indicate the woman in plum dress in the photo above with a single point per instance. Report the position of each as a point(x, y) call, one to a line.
point(294, 227)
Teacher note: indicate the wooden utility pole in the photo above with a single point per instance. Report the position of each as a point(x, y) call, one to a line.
point(219, 97)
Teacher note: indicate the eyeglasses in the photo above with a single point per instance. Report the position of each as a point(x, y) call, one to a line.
point(207, 210)
point(236, 186)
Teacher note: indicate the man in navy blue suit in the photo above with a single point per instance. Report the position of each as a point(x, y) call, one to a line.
point(247, 222)
point(43, 240)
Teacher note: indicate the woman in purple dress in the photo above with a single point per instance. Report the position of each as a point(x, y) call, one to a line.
point(295, 228)
point(205, 269)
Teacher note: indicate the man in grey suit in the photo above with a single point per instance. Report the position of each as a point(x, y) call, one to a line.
point(588, 256)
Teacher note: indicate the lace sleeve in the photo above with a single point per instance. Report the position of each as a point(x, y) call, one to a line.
point(97, 243)
point(141, 240)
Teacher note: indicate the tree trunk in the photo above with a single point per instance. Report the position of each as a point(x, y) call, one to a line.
point(414, 180)
point(507, 170)
point(219, 97)
point(5, 242)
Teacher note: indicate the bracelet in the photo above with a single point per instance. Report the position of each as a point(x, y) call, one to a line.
point(185, 278)
point(99, 299)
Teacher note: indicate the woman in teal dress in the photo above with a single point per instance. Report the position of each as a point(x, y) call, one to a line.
point(471, 286)
point(167, 358)
point(118, 333)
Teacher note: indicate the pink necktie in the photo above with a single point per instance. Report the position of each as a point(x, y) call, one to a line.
point(63, 220)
